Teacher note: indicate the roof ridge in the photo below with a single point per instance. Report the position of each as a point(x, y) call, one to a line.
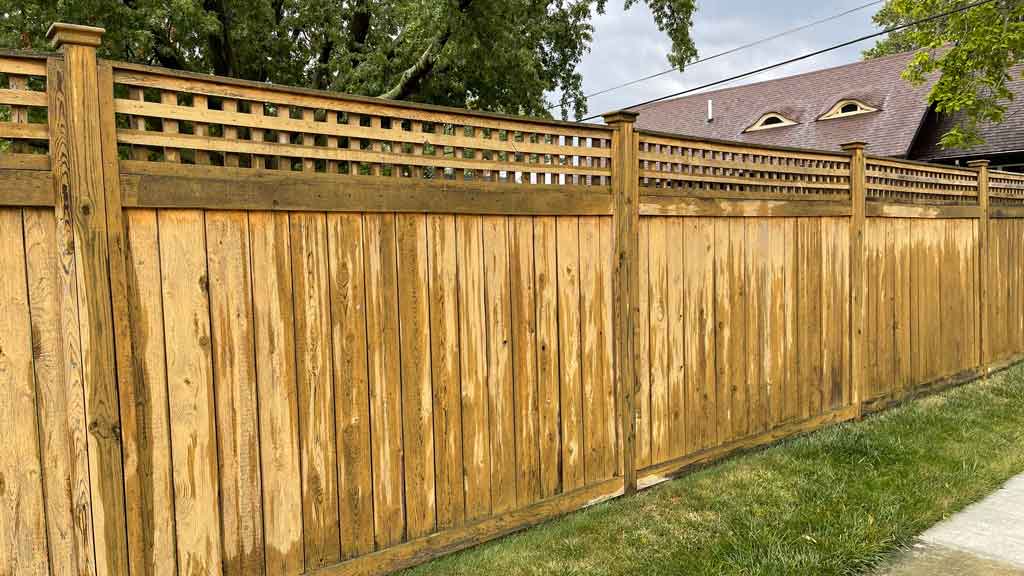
point(759, 82)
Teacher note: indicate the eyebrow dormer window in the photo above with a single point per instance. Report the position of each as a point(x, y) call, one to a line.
point(845, 108)
point(770, 120)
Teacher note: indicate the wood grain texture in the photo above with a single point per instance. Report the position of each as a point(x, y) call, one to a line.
point(351, 381)
point(234, 371)
point(417, 392)
point(522, 281)
point(548, 352)
point(473, 341)
point(186, 305)
point(500, 391)
point(314, 372)
point(445, 372)
point(154, 532)
point(80, 200)
point(570, 352)
point(23, 543)
point(273, 312)
point(382, 331)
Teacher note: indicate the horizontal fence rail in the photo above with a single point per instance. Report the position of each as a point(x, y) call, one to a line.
point(254, 329)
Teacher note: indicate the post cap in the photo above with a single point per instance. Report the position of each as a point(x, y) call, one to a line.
point(61, 33)
point(977, 163)
point(850, 146)
point(620, 116)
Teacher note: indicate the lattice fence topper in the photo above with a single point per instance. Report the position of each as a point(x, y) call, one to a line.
point(196, 121)
point(902, 181)
point(23, 104)
point(721, 170)
point(1006, 188)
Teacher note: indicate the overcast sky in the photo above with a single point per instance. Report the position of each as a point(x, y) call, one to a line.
point(628, 45)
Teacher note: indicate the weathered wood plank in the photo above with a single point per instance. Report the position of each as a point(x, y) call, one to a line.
point(81, 211)
point(548, 350)
point(699, 251)
point(497, 306)
point(417, 392)
point(643, 347)
point(809, 302)
point(351, 382)
point(382, 329)
point(687, 206)
point(524, 359)
point(234, 371)
point(251, 189)
point(186, 306)
point(273, 311)
point(153, 463)
point(59, 404)
point(473, 339)
point(598, 438)
point(661, 447)
point(676, 392)
point(445, 356)
point(23, 544)
point(316, 403)
point(570, 352)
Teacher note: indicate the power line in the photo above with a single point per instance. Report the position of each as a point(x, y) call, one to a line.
point(804, 56)
point(727, 52)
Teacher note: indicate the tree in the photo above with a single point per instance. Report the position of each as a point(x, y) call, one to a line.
point(498, 55)
point(973, 53)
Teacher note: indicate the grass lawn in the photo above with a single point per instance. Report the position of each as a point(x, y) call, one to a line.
point(833, 502)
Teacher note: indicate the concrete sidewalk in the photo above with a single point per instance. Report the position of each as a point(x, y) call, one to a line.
point(986, 539)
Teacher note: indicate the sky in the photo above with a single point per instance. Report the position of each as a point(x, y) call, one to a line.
point(628, 45)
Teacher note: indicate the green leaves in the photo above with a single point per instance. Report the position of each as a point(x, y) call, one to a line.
point(971, 53)
point(498, 55)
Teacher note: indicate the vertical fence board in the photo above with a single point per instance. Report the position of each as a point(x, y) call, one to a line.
point(273, 311)
point(643, 360)
point(548, 347)
point(234, 371)
point(570, 349)
point(445, 352)
point(59, 407)
point(191, 394)
point(313, 368)
point(676, 340)
point(23, 546)
point(158, 554)
point(351, 382)
point(382, 332)
point(476, 439)
point(524, 359)
point(661, 447)
point(417, 394)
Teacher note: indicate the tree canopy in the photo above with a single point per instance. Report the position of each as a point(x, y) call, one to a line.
point(973, 53)
point(498, 55)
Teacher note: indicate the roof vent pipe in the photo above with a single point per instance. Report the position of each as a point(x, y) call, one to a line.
point(711, 110)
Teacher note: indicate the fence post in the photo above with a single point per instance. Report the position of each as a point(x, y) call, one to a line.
point(983, 279)
point(86, 322)
point(858, 200)
point(626, 282)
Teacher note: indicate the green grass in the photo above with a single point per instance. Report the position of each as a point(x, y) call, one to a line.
point(833, 502)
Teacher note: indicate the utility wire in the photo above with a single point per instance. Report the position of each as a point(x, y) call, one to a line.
point(727, 52)
point(804, 56)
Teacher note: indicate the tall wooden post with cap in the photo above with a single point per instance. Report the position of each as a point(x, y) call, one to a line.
point(983, 254)
point(86, 315)
point(858, 202)
point(626, 281)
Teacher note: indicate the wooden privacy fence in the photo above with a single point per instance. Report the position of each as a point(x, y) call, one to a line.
point(253, 329)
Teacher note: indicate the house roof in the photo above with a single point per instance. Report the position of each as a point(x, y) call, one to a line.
point(1000, 138)
point(804, 98)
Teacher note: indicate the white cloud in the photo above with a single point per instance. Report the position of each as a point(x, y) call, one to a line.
point(628, 45)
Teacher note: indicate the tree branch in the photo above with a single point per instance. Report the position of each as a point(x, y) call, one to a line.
point(411, 78)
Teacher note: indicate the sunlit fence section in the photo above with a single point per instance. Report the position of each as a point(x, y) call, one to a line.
point(254, 329)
